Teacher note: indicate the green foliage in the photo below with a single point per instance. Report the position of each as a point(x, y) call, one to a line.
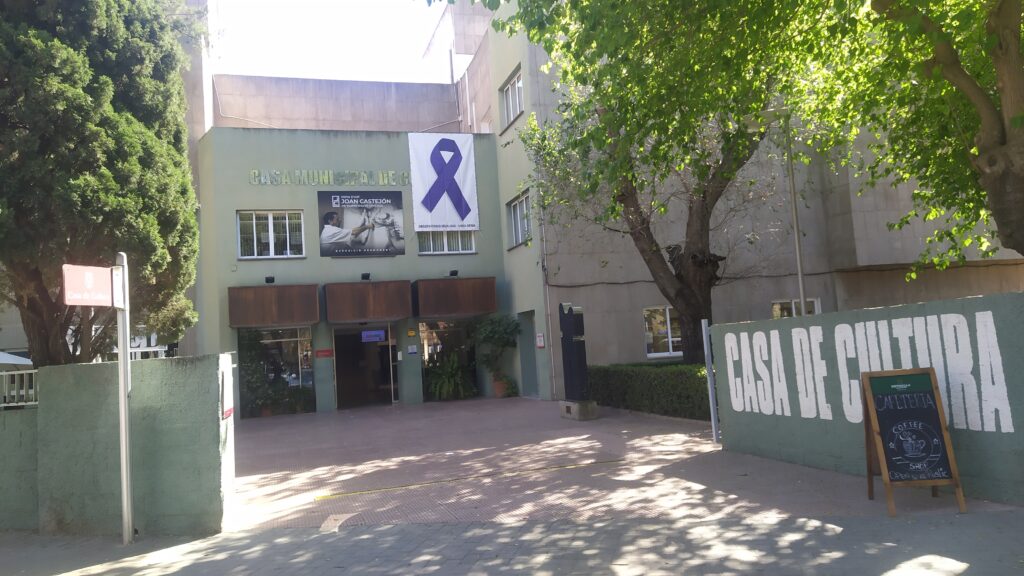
point(875, 94)
point(298, 399)
point(93, 161)
point(254, 390)
point(630, 110)
point(512, 390)
point(678, 390)
point(496, 334)
point(897, 91)
point(446, 379)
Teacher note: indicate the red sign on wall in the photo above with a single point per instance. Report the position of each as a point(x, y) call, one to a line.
point(325, 353)
point(87, 286)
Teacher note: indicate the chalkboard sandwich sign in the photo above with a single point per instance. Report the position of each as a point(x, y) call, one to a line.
point(905, 433)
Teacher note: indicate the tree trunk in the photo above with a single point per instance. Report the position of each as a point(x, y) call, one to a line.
point(687, 283)
point(45, 332)
point(694, 269)
point(1004, 185)
point(697, 268)
point(44, 319)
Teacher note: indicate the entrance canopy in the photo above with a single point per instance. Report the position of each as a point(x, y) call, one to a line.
point(456, 297)
point(349, 302)
point(269, 306)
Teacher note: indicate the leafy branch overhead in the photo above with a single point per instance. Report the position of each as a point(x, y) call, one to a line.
point(924, 92)
point(929, 93)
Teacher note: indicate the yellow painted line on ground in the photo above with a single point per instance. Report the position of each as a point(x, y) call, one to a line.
point(465, 478)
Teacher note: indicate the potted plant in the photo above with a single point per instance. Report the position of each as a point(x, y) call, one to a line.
point(497, 334)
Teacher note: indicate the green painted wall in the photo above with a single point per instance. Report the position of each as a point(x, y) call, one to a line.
point(178, 443)
point(226, 189)
point(523, 263)
point(784, 386)
point(18, 470)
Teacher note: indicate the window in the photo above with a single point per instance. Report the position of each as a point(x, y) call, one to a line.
point(519, 219)
point(270, 235)
point(512, 98)
point(447, 242)
point(662, 332)
point(785, 308)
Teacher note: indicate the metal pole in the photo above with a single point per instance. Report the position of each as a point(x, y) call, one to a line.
point(124, 391)
point(796, 220)
point(391, 364)
point(710, 367)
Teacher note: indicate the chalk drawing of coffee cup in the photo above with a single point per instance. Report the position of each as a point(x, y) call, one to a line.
point(912, 446)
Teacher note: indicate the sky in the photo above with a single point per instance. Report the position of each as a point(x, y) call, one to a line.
point(380, 40)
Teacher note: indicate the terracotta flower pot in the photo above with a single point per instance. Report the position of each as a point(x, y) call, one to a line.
point(500, 388)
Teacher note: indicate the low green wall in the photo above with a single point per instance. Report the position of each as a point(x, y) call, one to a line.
point(790, 389)
point(18, 470)
point(178, 435)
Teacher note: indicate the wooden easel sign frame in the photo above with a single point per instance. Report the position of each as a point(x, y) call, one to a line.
point(905, 436)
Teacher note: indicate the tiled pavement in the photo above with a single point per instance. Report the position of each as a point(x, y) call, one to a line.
point(508, 487)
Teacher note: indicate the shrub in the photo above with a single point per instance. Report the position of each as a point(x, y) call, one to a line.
point(679, 390)
point(497, 334)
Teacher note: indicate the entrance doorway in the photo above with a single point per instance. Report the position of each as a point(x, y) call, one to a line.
point(527, 356)
point(365, 366)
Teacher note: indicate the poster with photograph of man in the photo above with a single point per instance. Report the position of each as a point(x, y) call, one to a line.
point(360, 224)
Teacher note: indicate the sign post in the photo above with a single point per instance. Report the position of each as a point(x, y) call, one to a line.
point(710, 368)
point(124, 387)
point(108, 287)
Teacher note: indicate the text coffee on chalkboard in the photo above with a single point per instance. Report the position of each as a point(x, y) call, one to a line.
point(908, 421)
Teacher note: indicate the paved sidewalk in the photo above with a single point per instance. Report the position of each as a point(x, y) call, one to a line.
point(508, 487)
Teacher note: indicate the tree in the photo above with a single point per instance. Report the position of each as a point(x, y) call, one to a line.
point(92, 162)
point(936, 90)
point(632, 123)
point(925, 91)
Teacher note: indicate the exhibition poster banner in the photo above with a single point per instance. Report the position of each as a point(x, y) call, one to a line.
point(443, 178)
point(354, 224)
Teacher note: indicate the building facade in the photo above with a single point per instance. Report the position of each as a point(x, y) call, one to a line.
point(332, 314)
point(346, 326)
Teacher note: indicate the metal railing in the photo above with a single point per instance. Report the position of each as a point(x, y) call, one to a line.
point(18, 388)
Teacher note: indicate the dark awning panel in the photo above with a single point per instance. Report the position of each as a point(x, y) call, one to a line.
point(368, 301)
point(266, 306)
point(455, 297)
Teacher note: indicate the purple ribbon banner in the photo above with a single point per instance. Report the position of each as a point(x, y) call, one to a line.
point(445, 182)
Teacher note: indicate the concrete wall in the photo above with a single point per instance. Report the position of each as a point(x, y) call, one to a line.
point(19, 506)
point(789, 389)
point(297, 103)
point(477, 95)
point(524, 264)
point(888, 286)
point(179, 444)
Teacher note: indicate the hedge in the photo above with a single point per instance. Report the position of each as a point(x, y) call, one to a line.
point(679, 390)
